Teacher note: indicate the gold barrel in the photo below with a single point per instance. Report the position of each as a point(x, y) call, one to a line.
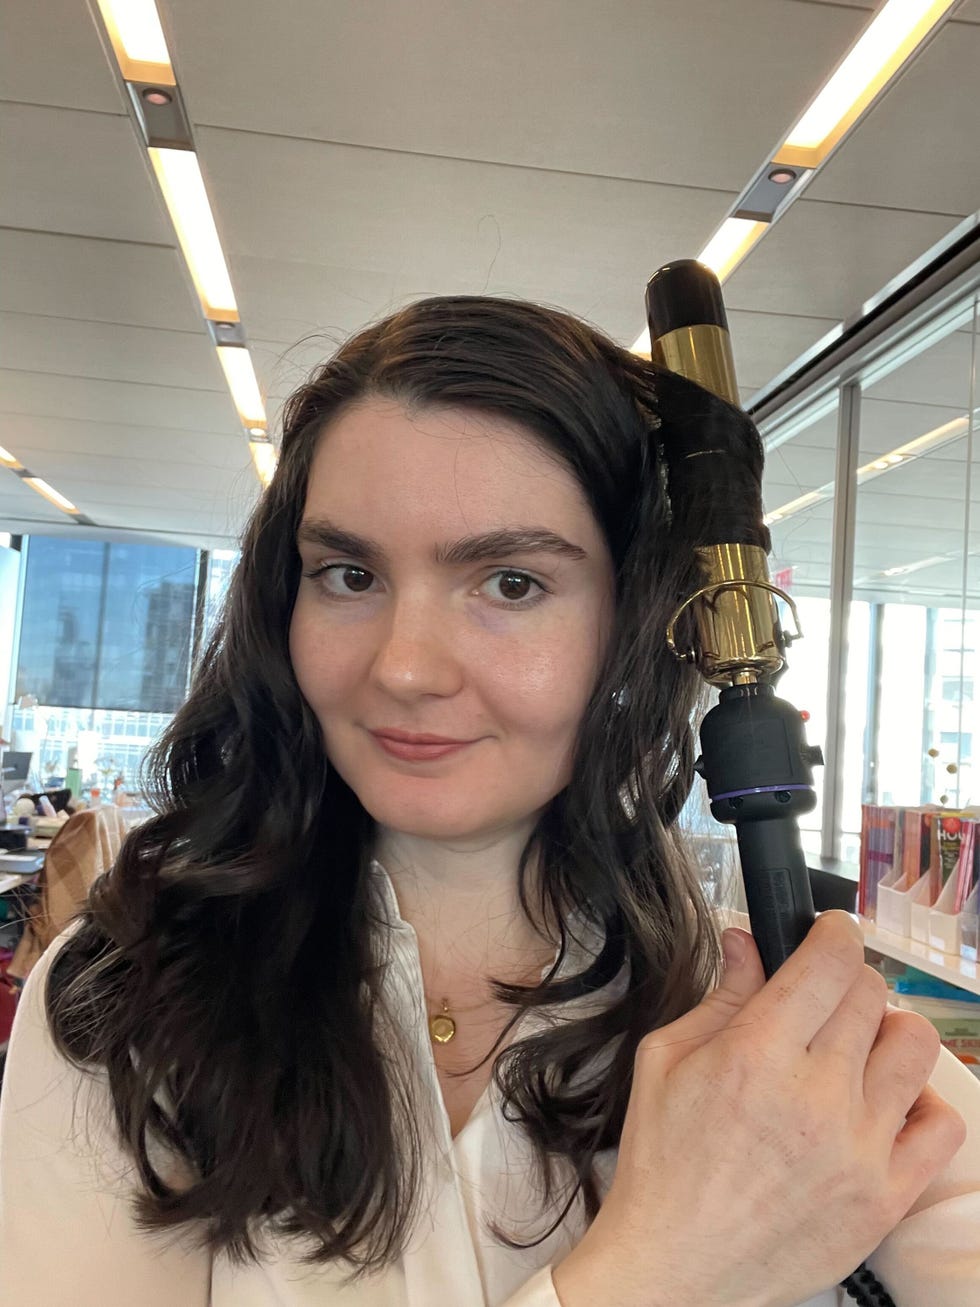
point(739, 635)
point(739, 632)
point(702, 354)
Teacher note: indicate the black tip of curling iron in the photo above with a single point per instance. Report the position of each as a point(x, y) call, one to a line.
point(684, 293)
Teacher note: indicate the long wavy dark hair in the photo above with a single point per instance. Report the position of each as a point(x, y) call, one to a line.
point(222, 973)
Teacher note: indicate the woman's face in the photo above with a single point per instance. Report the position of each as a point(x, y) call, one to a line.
point(500, 648)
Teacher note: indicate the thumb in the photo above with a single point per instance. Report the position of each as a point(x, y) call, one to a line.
point(744, 976)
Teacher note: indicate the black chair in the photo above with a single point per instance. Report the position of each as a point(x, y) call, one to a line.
point(59, 799)
point(832, 891)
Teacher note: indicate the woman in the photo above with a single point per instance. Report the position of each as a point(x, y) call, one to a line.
point(366, 1022)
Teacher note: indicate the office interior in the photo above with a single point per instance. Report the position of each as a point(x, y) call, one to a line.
point(201, 209)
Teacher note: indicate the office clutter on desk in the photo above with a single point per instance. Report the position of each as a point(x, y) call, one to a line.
point(919, 871)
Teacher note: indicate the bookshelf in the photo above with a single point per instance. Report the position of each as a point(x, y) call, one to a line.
point(945, 966)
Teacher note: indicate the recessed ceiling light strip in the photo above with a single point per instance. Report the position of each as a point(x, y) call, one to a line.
point(138, 42)
point(179, 175)
point(264, 457)
point(895, 33)
point(890, 39)
point(42, 487)
point(136, 36)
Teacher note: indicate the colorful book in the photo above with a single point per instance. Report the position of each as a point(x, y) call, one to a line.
point(877, 857)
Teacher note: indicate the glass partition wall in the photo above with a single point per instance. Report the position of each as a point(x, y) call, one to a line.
point(886, 576)
point(798, 496)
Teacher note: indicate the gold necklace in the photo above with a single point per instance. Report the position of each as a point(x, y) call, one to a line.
point(442, 1027)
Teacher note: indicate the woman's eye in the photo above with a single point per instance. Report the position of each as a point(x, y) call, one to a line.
point(340, 580)
point(321, 575)
point(514, 587)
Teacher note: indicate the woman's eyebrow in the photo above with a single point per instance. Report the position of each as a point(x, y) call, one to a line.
point(469, 549)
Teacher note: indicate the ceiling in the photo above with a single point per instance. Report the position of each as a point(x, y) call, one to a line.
point(358, 157)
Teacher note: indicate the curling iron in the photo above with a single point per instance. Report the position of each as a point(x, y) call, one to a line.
point(755, 759)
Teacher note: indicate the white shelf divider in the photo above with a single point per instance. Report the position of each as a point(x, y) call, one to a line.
point(944, 966)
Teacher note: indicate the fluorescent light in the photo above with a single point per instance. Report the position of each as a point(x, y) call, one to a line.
point(913, 449)
point(730, 244)
point(798, 505)
point(50, 494)
point(265, 458)
point(917, 567)
point(179, 175)
point(137, 40)
point(882, 48)
point(7, 459)
point(642, 343)
point(877, 467)
point(907, 568)
point(240, 375)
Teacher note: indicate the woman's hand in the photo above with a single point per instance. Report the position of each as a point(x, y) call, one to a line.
point(774, 1135)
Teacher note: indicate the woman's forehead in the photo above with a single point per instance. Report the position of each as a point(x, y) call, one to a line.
point(449, 462)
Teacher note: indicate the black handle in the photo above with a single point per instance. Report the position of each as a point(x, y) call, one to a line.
point(777, 887)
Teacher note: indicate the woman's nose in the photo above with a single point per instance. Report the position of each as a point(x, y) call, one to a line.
point(416, 649)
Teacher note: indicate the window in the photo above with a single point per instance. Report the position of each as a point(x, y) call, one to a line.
point(106, 625)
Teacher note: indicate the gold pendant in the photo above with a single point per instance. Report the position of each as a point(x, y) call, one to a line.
point(442, 1027)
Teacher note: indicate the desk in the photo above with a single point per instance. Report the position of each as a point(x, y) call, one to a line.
point(10, 878)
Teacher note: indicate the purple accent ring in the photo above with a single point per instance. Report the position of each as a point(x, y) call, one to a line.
point(759, 789)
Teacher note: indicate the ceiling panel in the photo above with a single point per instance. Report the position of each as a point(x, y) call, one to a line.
point(887, 424)
point(930, 478)
point(81, 173)
point(939, 375)
point(830, 258)
point(445, 226)
point(967, 12)
point(791, 472)
point(97, 497)
point(147, 477)
point(17, 499)
point(50, 395)
point(917, 148)
point(622, 89)
point(106, 281)
point(765, 343)
point(50, 54)
point(195, 539)
point(222, 520)
point(111, 352)
point(128, 443)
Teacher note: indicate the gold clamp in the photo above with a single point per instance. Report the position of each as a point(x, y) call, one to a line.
point(766, 658)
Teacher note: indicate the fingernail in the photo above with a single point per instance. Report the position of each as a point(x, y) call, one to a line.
point(733, 946)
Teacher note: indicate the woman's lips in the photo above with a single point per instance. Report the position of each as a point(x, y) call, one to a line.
point(418, 752)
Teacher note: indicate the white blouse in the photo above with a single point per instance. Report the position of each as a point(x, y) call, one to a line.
point(67, 1238)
